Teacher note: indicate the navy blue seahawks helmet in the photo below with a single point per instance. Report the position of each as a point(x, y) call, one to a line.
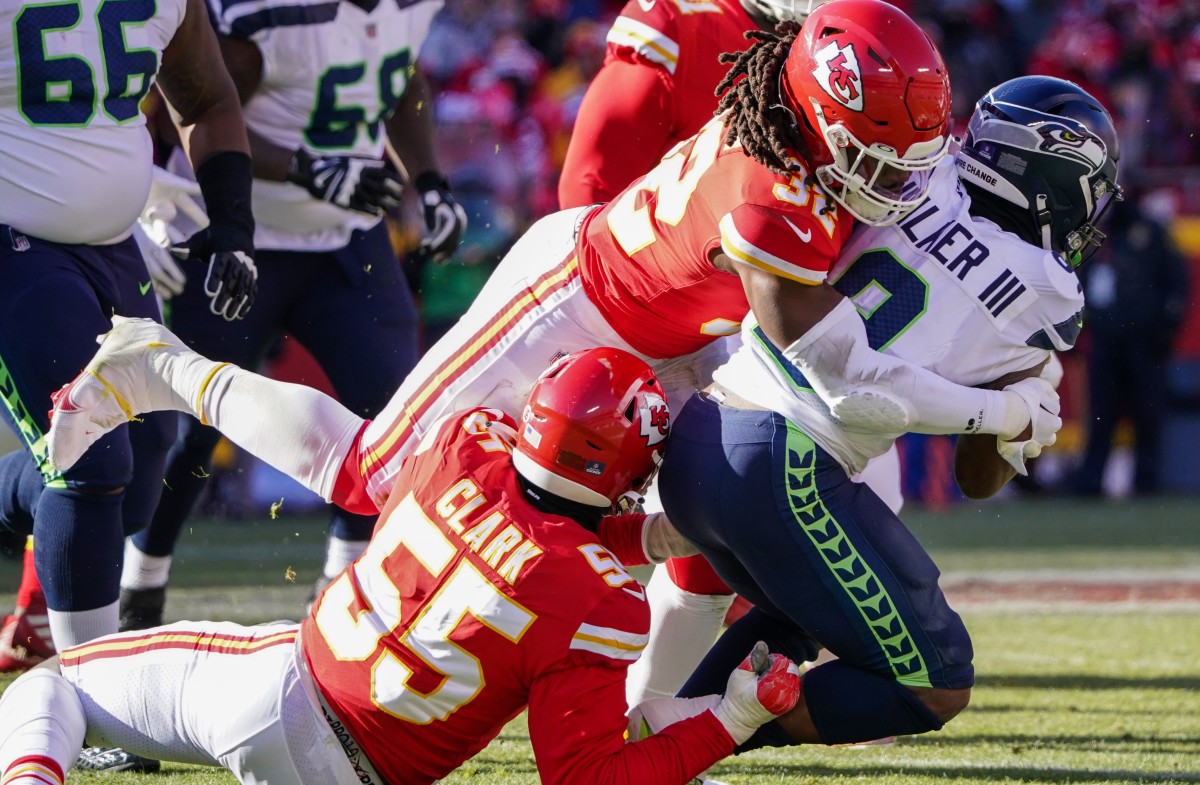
point(1048, 147)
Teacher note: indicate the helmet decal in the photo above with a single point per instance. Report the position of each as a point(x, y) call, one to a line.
point(654, 418)
point(1087, 149)
point(838, 74)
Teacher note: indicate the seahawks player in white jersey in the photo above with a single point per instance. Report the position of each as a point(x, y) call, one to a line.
point(976, 284)
point(75, 163)
point(325, 85)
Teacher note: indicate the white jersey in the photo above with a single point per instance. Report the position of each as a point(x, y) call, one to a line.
point(331, 74)
point(941, 289)
point(75, 156)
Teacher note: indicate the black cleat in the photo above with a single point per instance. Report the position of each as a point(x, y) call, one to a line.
point(111, 759)
point(142, 609)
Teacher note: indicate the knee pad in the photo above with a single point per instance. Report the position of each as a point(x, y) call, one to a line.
point(156, 432)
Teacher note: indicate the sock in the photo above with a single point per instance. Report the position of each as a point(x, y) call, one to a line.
point(78, 548)
point(30, 585)
point(143, 571)
point(340, 554)
point(72, 628)
point(42, 725)
point(683, 626)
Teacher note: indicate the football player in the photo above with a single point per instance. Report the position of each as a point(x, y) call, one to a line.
point(324, 88)
point(818, 127)
point(657, 87)
point(977, 284)
point(75, 164)
point(484, 591)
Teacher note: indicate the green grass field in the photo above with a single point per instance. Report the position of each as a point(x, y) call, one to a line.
point(1103, 694)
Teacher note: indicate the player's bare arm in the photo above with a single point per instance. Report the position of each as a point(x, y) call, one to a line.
point(978, 468)
point(244, 60)
point(410, 127)
point(785, 309)
point(410, 134)
point(199, 88)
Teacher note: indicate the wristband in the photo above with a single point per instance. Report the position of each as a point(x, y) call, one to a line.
point(225, 182)
point(432, 180)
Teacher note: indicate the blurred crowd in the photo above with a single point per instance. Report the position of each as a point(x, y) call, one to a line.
point(510, 76)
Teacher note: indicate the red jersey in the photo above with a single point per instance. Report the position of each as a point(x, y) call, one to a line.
point(656, 88)
point(645, 258)
point(470, 604)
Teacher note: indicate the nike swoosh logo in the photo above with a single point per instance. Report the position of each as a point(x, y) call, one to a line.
point(805, 236)
point(145, 287)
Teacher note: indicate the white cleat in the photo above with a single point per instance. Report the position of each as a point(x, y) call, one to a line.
point(114, 388)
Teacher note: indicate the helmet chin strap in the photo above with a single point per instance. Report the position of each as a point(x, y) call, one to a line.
point(1044, 221)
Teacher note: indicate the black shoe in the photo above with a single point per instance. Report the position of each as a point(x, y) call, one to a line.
point(142, 609)
point(110, 759)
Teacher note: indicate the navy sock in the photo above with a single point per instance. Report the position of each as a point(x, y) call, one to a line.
point(78, 545)
point(348, 526)
point(188, 464)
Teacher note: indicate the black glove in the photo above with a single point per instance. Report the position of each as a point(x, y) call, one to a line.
point(360, 184)
point(232, 277)
point(445, 219)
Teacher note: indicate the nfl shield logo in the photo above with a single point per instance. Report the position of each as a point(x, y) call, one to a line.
point(371, 30)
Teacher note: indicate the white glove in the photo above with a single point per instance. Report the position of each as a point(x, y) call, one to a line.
point(156, 229)
point(166, 274)
point(760, 689)
point(1042, 405)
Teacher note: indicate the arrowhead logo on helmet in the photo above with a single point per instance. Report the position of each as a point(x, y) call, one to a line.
point(838, 74)
point(655, 419)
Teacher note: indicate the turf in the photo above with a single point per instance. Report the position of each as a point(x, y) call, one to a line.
point(1081, 696)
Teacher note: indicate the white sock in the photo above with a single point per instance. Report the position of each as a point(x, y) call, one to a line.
point(143, 571)
point(340, 554)
point(683, 627)
point(42, 725)
point(307, 436)
point(71, 628)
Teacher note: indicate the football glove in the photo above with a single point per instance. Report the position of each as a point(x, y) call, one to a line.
point(165, 273)
point(360, 184)
point(1042, 402)
point(155, 231)
point(445, 218)
point(760, 689)
point(232, 278)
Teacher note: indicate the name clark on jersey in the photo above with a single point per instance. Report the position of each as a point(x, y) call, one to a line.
point(460, 501)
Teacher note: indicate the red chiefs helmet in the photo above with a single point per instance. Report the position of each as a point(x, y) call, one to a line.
point(594, 427)
point(871, 96)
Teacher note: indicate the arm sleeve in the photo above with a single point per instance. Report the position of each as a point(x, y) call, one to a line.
point(872, 392)
point(620, 133)
point(625, 537)
point(308, 436)
point(577, 728)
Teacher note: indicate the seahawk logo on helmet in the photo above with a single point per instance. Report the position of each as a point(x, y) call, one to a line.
point(1049, 148)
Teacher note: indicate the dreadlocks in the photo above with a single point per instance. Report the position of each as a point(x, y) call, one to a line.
point(756, 118)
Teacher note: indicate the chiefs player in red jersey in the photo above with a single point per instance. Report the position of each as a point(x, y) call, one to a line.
point(657, 87)
point(485, 590)
point(838, 121)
